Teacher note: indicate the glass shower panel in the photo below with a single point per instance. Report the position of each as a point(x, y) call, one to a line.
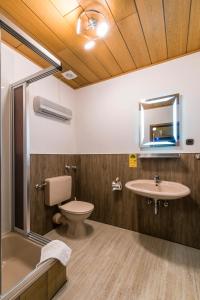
point(17, 62)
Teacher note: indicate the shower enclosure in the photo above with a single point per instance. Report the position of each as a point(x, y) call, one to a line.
point(20, 248)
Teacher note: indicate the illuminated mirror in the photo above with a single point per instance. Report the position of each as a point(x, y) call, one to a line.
point(159, 122)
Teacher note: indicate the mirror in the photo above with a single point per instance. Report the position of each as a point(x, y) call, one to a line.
point(159, 122)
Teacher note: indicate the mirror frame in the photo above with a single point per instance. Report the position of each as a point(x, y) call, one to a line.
point(156, 102)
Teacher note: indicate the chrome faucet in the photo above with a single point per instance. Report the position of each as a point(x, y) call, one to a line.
point(157, 180)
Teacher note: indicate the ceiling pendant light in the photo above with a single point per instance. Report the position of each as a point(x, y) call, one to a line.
point(89, 45)
point(102, 29)
point(93, 25)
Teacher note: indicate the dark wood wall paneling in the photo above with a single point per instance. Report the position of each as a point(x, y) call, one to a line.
point(178, 223)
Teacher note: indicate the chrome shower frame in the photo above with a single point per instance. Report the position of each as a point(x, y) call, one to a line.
point(56, 66)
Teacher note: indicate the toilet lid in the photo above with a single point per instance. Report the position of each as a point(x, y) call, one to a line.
point(77, 207)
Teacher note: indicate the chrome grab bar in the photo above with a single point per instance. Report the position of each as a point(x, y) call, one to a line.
point(39, 187)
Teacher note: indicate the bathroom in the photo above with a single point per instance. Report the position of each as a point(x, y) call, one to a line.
point(98, 201)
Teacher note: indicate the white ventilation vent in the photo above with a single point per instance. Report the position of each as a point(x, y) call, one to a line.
point(51, 109)
point(69, 75)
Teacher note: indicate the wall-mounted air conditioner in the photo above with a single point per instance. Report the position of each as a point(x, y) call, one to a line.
point(51, 109)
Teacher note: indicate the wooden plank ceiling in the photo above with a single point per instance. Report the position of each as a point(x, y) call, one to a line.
point(142, 33)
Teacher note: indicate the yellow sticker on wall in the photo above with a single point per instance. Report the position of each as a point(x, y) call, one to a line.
point(132, 160)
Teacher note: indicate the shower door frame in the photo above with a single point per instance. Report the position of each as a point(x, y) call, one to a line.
point(55, 66)
point(24, 84)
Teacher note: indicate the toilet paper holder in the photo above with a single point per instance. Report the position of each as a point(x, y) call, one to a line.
point(68, 167)
point(116, 185)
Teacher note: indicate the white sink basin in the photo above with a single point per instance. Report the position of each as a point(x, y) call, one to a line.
point(166, 190)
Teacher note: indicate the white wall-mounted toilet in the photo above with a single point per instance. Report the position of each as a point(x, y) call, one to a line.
point(74, 213)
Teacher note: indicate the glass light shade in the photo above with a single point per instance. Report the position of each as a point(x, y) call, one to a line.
point(92, 24)
point(89, 45)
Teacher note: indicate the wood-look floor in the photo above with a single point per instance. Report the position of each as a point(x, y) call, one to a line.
point(118, 264)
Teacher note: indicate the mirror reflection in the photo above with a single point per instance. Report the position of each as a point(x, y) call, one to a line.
point(159, 121)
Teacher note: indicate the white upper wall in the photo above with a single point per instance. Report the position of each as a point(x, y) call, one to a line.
point(108, 112)
point(49, 135)
point(46, 135)
point(106, 115)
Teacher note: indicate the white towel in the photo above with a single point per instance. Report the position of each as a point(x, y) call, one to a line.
point(55, 249)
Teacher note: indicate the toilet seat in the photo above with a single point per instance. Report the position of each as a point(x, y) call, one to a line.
point(77, 207)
